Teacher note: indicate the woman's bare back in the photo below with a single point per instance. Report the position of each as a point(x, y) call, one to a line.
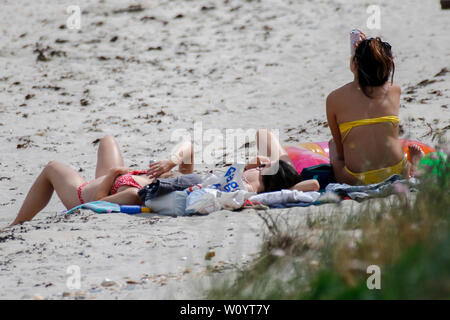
point(372, 146)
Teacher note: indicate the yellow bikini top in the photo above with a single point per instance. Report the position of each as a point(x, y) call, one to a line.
point(347, 126)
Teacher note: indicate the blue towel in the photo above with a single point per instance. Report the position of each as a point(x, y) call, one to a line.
point(293, 204)
point(96, 206)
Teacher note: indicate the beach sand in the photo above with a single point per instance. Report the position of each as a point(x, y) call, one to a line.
point(141, 70)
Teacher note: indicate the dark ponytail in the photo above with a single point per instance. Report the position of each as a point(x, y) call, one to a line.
point(375, 63)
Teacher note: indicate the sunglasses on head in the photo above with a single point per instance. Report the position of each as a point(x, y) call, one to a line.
point(385, 44)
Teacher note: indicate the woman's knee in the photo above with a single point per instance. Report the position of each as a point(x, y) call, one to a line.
point(108, 139)
point(51, 165)
point(52, 168)
point(107, 142)
point(263, 133)
point(264, 140)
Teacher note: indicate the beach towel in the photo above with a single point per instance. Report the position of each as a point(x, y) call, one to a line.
point(293, 204)
point(96, 206)
point(392, 185)
point(285, 196)
point(335, 192)
point(108, 207)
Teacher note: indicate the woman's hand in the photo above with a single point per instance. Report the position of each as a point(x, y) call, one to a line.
point(257, 162)
point(363, 37)
point(160, 167)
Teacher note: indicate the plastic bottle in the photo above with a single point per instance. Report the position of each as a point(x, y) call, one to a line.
point(355, 37)
point(133, 209)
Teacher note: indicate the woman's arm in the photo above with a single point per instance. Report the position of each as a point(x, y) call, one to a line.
point(256, 162)
point(341, 175)
point(128, 196)
point(105, 187)
point(307, 185)
point(334, 127)
point(183, 156)
point(335, 146)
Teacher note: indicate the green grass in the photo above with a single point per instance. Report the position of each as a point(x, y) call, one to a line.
point(407, 237)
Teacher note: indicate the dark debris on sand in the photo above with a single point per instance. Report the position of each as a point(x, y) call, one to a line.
point(10, 236)
point(45, 53)
point(130, 9)
point(443, 72)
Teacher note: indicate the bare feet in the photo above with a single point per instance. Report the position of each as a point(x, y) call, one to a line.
point(416, 155)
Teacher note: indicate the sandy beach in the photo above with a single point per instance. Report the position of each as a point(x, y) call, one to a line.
point(141, 70)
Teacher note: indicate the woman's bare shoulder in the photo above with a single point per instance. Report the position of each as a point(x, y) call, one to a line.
point(342, 90)
point(395, 88)
point(394, 93)
point(339, 94)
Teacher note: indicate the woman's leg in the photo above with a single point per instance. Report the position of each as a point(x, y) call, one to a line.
point(55, 177)
point(108, 156)
point(269, 146)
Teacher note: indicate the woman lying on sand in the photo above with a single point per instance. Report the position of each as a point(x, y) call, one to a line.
point(258, 175)
point(363, 118)
point(116, 184)
point(113, 182)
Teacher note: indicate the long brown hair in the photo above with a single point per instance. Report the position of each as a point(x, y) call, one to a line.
point(375, 63)
point(285, 178)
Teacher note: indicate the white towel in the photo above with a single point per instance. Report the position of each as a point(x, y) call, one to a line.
point(285, 196)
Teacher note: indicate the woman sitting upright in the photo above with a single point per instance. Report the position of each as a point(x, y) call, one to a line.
point(363, 119)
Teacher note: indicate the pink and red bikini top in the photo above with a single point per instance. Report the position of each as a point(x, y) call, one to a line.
point(127, 180)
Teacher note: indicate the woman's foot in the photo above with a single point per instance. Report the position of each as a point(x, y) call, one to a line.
point(416, 154)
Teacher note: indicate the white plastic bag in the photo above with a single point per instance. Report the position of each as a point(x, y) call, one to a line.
point(232, 200)
point(285, 196)
point(231, 181)
point(205, 201)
